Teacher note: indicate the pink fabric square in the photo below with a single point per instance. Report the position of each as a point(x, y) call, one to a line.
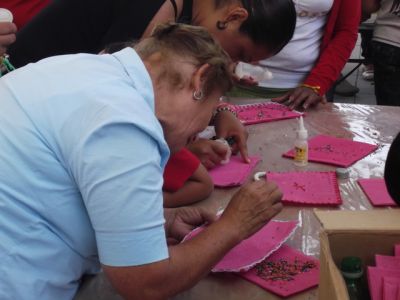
point(390, 288)
point(307, 188)
point(387, 262)
point(375, 280)
point(254, 249)
point(233, 173)
point(335, 151)
point(397, 250)
point(285, 288)
point(376, 191)
point(264, 112)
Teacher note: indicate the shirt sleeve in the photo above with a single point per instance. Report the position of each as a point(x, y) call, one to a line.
point(117, 167)
point(334, 55)
point(179, 169)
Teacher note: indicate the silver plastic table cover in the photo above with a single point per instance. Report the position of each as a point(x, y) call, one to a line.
point(372, 124)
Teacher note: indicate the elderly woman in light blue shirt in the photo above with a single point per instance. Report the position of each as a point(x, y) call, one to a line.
point(84, 140)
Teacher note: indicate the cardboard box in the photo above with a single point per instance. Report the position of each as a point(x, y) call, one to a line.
point(353, 233)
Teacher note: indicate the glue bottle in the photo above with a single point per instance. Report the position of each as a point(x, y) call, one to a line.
point(301, 145)
point(352, 270)
point(5, 15)
point(258, 73)
point(228, 151)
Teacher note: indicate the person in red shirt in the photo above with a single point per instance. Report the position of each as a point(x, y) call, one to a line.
point(23, 11)
point(186, 180)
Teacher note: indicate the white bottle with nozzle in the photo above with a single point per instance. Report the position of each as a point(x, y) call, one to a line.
point(258, 73)
point(5, 15)
point(301, 145)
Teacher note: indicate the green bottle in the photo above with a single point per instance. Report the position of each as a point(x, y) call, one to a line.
point(352, 271)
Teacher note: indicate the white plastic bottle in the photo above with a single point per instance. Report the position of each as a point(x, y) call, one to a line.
point(5, 15)
point(301, 145)
point(258, 73)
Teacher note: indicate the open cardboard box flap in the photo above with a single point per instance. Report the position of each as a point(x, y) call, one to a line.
point(353, 233)
point(367, 220)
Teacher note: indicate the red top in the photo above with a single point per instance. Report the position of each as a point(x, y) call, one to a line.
point(24, 10)
point(179, 169)
point(340, 36)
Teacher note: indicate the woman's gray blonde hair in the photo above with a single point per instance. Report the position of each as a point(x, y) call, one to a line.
point(192, 44)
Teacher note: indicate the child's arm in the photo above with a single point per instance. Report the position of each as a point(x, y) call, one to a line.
point(198, 187)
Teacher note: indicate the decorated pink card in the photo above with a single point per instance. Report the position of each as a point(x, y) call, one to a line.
point(335, 151)
point(307, 188)
point(254, 249)
point(397, 250)
point(376, 191)
point(390, 288)
point(389, 262)
point(375, 280)
point(285, 273)
point(264, 112)
point(233, 173)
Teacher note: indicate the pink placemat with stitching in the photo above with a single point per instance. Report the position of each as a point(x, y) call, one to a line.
point(397, 250)
point(254, 249)
point(307, 188)
point(391, 288)
point(388, 262)
point(375, 280)
point(285, 258)
point(264, 112)
point(233, 173)
point(335, 151)
point(376, 191)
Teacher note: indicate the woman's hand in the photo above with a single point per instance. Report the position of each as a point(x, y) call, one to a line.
point(7, 35)
point(227, 125)
point(180, 221)
point(210, 152)
point(300, 97)
point(252, 207)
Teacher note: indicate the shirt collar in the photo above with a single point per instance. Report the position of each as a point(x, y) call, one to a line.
point(137, 72)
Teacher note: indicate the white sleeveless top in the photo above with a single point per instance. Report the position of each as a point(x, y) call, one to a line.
point(293, 63)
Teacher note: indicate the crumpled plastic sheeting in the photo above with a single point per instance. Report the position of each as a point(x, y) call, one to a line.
point(371, 124)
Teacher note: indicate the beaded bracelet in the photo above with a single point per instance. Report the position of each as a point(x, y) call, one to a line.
point(225, 107)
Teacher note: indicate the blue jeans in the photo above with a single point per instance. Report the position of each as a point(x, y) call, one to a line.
point(386, 73)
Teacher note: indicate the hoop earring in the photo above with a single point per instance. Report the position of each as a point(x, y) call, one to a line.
point(198, 95)
point(221, 25)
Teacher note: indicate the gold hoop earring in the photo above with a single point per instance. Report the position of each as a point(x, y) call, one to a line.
point(221, 25)
point(198, 95)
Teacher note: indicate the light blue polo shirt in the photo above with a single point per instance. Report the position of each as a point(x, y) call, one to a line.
point(81, 162)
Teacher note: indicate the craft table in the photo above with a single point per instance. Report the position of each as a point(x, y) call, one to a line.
point(372, 124)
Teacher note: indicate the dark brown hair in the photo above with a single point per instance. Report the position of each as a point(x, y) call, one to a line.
point(271, 23)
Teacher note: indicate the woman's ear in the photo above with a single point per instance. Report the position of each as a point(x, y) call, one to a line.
point(237, 14)
point(199, 77)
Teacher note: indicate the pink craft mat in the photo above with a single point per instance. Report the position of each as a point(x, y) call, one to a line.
point(375, 280)
point(254, 249)
point(307, 188)
point(387, 262)
point(390, 288)
point(233, 173)
point(335, 151)
point(397, 250)
point(286, 288)
point(264, 112)
point(376, 191)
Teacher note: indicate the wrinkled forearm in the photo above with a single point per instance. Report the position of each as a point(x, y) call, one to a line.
point(187, 264)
